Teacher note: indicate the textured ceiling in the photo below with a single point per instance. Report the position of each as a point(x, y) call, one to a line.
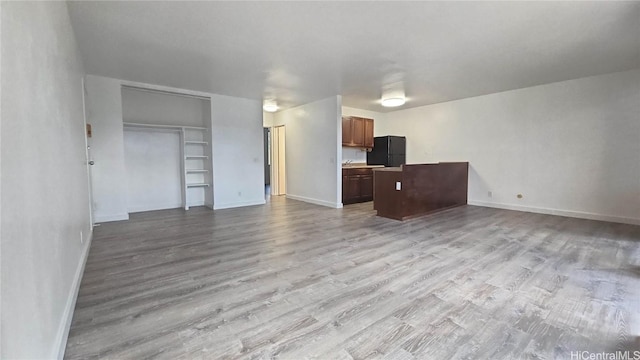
point(299, 52)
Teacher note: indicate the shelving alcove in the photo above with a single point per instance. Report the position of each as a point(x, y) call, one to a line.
point(196, 174)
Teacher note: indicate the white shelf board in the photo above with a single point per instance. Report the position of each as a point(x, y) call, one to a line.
point(162, 126)
point(195, 171)
point(196, 157)
point(190, 142)
point(197, 185)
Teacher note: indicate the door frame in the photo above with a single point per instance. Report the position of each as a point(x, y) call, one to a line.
point(88, 157)
point(266, 136)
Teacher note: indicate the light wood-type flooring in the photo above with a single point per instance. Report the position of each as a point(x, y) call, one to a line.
point(292, 280)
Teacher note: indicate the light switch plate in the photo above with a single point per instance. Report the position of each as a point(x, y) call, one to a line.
point(398, 185)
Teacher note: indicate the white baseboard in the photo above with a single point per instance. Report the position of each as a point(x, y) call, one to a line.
point(568, 213)
point(159, 206)
point(67, 316)
point(97, 218)
point(315, 201)
point(238, 204)
point(193, 204)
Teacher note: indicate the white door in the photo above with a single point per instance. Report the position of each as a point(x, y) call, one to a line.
point(278, 166)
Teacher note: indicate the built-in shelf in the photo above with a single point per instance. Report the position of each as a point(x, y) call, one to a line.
point(189, 142)
point(196, 147)
point(175, 127)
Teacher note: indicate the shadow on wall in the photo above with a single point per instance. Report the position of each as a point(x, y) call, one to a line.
point(610, 170)
point(476, 180)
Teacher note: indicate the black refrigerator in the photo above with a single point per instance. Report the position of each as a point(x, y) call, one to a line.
point(388, 151)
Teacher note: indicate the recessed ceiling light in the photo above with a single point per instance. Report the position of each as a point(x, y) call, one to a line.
point(270, 106)
point(393, 102)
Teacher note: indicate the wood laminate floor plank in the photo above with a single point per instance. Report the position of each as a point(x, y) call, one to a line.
point(293, 280)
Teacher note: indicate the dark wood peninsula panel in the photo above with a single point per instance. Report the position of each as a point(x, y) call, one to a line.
point(423, 189)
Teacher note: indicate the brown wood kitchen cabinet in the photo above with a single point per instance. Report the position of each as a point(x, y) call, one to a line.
point(357, 132)
point(368, 133)
point(357, 185)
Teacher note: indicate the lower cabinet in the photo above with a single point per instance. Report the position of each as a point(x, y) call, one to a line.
point(357, 185)
point(366, 187)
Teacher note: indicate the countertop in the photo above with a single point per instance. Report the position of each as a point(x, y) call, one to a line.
point(361, 166)
point(399, 168)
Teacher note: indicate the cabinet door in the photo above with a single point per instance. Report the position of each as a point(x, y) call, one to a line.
point(366, 188)
point(345, 187)
point(354, 188)
point(357, 131)
point(368, 133)
point(346, 130)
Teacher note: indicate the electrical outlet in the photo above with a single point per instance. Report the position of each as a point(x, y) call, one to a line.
point(239, 193)
point(490, 194)
point(398, 185)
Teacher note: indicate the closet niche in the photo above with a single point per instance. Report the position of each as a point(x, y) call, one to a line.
point(167, 150)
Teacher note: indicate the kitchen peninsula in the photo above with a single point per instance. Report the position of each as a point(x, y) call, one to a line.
point(409, 191)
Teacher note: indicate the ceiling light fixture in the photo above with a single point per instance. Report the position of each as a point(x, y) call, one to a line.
point(270, 106)
point(394, 101)
point(393, 90)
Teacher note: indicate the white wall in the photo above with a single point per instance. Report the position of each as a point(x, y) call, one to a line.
point(208, 165)
point(570, 148)
point(267, 119)
point(349, 111)
point(353, 154)
point(153, 168)
point(238, 167)
point(45, 203)
point(108, 175)
point(147, 107)
point(0, 178)
point(313, 151)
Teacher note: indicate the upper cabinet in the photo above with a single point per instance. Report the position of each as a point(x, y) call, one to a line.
point(357, 132)
point(346, 131)
point(368, 133)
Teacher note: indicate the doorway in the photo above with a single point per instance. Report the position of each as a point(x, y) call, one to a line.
point(266, 141)
point(278, 164)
